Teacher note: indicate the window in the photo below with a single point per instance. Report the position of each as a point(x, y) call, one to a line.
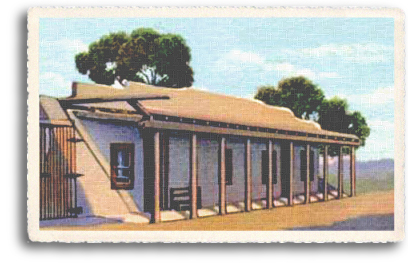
point(303, 165)
point(228, 166)
point(122, 165)
point(265, 157)
point(311, 165)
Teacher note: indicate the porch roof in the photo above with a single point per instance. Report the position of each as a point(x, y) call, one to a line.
point(194, 104)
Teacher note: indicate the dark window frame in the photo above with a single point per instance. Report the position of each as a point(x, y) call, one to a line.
point(303, 165)
point(128, 180)
point(228, 166)
point(265, 173)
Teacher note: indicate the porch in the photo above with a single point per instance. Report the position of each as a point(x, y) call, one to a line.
point(173, 215)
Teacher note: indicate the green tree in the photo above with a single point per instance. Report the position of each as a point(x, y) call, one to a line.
point(143, 56)
point(307, 101)
point(299, 94)
point(335, 116)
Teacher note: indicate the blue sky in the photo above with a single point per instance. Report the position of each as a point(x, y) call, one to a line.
point(349, 57)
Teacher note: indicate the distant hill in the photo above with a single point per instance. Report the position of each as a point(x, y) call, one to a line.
point(368, 169)
point(375, 166)
point(372, 176)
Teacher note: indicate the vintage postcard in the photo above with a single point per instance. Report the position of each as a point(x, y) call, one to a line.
point(215, 124)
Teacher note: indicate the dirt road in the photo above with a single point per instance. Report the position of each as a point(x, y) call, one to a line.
point(311, 215)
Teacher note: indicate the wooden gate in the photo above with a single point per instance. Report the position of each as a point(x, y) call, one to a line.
point(58, 177)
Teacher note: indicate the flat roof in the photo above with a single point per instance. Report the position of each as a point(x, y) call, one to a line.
point(193, 104)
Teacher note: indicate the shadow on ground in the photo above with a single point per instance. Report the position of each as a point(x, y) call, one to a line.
point(81, 221)
point(366, 223)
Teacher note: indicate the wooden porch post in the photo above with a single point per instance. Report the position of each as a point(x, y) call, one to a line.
point(352, 172)
point(222, 187)
point(325, 171)
point(307, 180)
point(269, 186)
point(156, 211)
point(248, 176)
point(291, 164)
point(193, 176)
point(340, 174)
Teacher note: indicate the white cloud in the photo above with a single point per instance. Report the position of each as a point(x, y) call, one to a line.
point(75, 46)
point(356, 52)
point(246, 57)
point(382, 125)
point(280, 67)
point(305, 72)
point(235, 61)
point(328, 75)
point(380, 143)
point(54, 84)
point(380, 96)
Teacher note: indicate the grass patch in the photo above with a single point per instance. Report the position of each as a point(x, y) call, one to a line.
point(382, 182)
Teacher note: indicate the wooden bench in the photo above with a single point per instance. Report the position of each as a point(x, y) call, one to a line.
point(180, 198)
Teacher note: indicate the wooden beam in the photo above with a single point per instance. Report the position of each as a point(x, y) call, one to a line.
point(156, 211)
point(307, 180)
point(269, 186)
point(193, 176)
point(352, 172)
point(325, 172)
point(340, 174)
point(169, 125)
point(92, 99)
point(248, 176)
point(164, 171)
point(222, 183)
point(291, 165)
point(108, 116)
point(57, 122)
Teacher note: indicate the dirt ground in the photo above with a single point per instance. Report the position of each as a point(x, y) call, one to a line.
point(311, 215)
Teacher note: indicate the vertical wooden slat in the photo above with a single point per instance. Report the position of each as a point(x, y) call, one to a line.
point(53, 170)
point(164, 158)
point(73, 154)
point(291, 165)
point(193, 176)
point(66, 151)
point(248, 176)
point(69, 182)
point(66, 171)
point(269, 186)
point(60, 171)
point(325, 172)
point(222, 183)
point(352, 172)
point(46, 180)
point(54, 139)
point(156, 211)
point(165, 170)
point(307, 180)
point(340, 174)
point(41, 168)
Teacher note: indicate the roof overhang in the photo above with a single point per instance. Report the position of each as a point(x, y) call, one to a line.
point(254, 132)
point(70, 101)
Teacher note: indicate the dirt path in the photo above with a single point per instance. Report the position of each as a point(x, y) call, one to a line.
point(315, 214)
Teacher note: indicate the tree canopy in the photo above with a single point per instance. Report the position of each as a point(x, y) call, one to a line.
point(143, 56)
point(307, 101)
point(299, 94)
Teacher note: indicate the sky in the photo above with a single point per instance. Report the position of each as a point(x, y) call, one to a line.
point(348, 57)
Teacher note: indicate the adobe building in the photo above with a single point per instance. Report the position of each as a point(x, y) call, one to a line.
point(151, 154)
